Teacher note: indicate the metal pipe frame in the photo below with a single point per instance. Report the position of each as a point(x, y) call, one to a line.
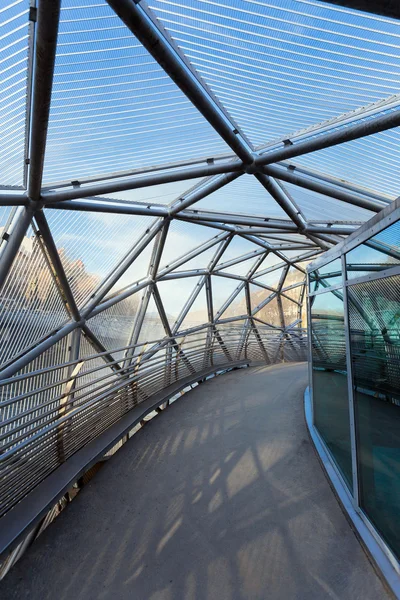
point(120, 270)
point(100, 348)
point(203, 190)
point(168, 56)
point(195, 252)
point(307, 183)
point(166, 325)
point(349, 133)
point(54, 256)
point(336, 182)
point(189, 303)
point(48, 15)
point(133, 183)
point(82, 181)
point(218, 172)
point(199, 217)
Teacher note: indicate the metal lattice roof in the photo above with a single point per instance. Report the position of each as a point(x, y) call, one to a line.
point(167, 172)
point(149, 149)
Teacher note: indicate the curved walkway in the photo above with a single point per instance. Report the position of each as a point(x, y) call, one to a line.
point(221, 497)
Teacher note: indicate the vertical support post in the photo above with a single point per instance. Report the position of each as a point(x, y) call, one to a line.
point(211, 331)
point(309, 348)
point(167, 328)
point(350, 388)
point(214, 329)
point(31, 39)
point(68, 394)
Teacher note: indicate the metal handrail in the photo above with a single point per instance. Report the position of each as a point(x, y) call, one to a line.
point(45, 425)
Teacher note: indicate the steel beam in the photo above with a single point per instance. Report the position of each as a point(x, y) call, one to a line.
point(120, 270)
point(257, 265)
point(351, 132)
point(335, 181)
point(318, 241)
point(152, 38)
point(56, 263)
point(195, 252)
point(238, 260)
point(111, 207)
point(48, 15)
point(139, 319)
point(101, 349)
point(24, 360)
point(183, 274)
point(229, 300)
point(236, 220)
point(133, 183)
point(199, 217)
point(264, 303)
point(289, 206)
point(214, 261)
point(10, 250)
point(202, 191)
point(209, 345)
point(307, 183)
point(125, 293)
point(194, 294)
point(281, 199)
point(158, 250)
point(166, 325)
point(8, 199)
point(141, 171)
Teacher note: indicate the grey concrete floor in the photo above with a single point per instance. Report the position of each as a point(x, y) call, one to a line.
point(221, 497)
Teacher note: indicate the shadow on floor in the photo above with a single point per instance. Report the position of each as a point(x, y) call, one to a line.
point(221, 497)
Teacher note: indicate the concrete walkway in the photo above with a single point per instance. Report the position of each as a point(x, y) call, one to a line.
point(221, 497)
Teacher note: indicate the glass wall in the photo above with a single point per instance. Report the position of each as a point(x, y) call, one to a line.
point(374, 312)
point(367, 411)
point(331, 407)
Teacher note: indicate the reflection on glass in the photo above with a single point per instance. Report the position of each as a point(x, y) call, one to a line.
point(331, 409)
point(326, 276)
point(377, 254)
point(374, 318)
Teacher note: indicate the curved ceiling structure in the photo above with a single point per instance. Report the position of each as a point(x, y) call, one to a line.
point(170, 169)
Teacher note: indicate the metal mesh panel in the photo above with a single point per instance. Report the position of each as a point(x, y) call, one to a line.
point(376, 335)
point(113, 326)
point(90, 245)
point(15, 40)
point(29, 291)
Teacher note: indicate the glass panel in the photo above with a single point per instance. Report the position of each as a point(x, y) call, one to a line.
point(377, 254)
point(326, 276)
point(374, 318)
point(331, 410)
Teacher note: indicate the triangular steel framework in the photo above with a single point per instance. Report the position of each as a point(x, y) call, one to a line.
point(270, 164)
point(116, 283)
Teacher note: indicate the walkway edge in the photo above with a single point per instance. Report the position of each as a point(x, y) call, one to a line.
point(21, 519)
point(378, 552)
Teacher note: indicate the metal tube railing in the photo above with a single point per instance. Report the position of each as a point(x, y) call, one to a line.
point(43, 426)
